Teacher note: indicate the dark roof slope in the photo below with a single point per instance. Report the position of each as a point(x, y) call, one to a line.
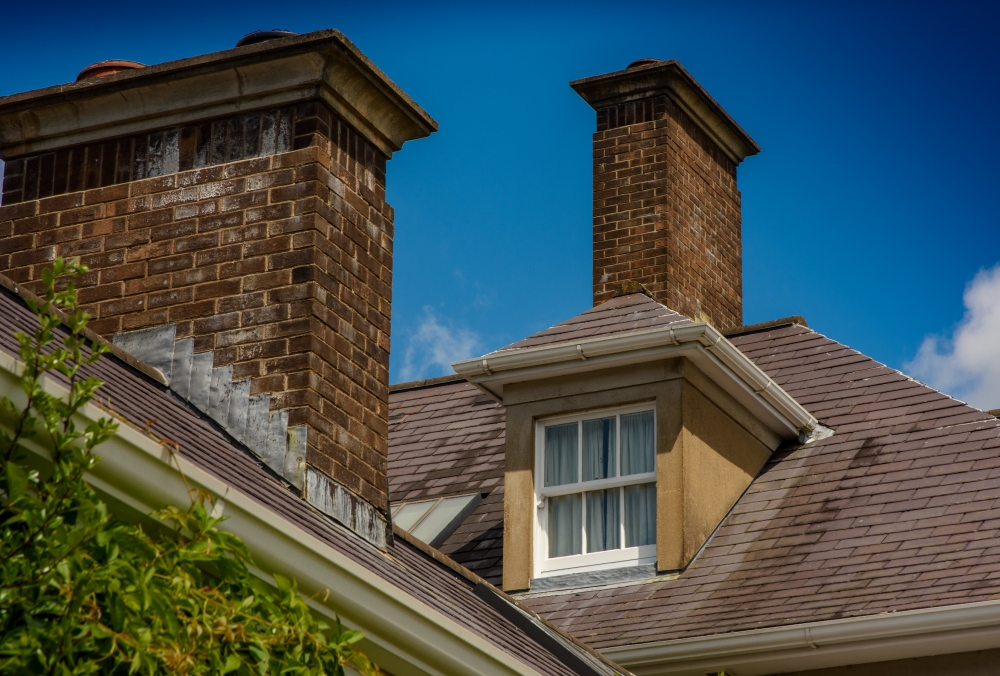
point(449, 440)
point(897, 510)
point(138, 398)
point(624, 314)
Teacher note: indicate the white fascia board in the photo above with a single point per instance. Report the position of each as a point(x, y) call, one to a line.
point(700, 342)
point(403, 634)
point(876, 638)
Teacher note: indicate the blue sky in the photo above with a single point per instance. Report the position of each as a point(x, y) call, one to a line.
point(870, 211)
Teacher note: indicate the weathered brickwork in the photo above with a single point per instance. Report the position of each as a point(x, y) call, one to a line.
point(666, 211)
point(282, 265)
point(99, 165)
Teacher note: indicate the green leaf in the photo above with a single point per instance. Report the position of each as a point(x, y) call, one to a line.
point(17, 481)
point(232, 664)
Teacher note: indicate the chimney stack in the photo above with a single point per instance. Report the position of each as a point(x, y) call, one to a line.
point(666, 207)
point(231, 208)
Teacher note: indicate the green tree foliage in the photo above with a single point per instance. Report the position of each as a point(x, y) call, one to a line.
point(82, 592)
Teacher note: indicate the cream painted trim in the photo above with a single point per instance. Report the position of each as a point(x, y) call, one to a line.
point(718, 358)
point(876, 638)
point(404, 635)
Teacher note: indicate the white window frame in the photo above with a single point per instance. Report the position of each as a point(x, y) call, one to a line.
point(581, 563)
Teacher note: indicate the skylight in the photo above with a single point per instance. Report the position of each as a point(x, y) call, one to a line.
point(432, 521)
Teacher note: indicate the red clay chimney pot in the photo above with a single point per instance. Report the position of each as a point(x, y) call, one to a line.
point(102, 68)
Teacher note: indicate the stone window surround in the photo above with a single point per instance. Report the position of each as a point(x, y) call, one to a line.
point(697, 481)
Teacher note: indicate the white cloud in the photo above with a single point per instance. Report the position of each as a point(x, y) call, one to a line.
point(967, 365)
point(434, 346)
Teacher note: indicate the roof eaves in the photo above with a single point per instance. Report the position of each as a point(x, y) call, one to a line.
point(699, 341)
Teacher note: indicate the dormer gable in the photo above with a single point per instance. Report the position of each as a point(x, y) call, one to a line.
point(630, 433)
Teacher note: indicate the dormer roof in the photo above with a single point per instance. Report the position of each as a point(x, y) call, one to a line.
point(633, 329)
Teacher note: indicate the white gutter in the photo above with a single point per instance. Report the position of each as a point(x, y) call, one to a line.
point(817, 645)
point(402, 634)
point(700, 342)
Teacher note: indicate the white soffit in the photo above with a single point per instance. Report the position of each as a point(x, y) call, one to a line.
point(708, 349)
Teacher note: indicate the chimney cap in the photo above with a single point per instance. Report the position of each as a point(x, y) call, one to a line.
point(263, 36)
point(655, 78)
point(102, 68)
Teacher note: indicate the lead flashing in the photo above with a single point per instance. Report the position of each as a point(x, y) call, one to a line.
point(323, 65)
point(670, 78)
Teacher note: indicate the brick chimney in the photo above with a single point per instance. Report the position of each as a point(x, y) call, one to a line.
point(232, 210)
point(666, 206)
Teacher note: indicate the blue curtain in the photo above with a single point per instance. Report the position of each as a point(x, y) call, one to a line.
point(603, 520)
point(598, 449)
point(560, 454)
point(638, 443)
point(565, 525)
point(640, 515)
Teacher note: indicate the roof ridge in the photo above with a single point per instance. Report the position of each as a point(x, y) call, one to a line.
point(425, 383)
point(764, 326)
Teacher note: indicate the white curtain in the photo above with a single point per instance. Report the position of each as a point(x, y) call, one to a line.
point(640, 514)
point(565, 525)
point(598, 449)
point(638, 443)
point(560, 454)
point(602, 520)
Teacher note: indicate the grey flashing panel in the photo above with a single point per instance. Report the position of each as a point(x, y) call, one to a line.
point(154, 346)
point(339, 503)
point(218, 401)
point(277, 441)
point(239, 401)
point(258, 418)
point(183, 361)
point(432, 521)
point(595, 578)
point(201, 380)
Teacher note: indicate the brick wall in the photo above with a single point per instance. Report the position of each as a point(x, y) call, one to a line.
point(280, 264)
point(666, 211)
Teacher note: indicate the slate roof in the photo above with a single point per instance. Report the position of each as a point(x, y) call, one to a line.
point(624, 314)
point(897, 510)
point(138, 398)
point(448, 439)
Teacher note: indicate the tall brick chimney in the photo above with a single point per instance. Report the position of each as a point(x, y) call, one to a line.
point(232, 210)
point(666, 206)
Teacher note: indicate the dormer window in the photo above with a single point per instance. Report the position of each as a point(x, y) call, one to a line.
point(597, 494)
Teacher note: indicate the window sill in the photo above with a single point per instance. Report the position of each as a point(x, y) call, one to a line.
point(597, 561)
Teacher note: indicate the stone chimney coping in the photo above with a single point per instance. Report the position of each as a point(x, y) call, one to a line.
point(670, 78)
point(323, 65)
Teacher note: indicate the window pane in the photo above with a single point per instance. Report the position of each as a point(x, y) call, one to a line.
point(640, 514)
point(560, 454)
point(565, 525)
point(407, 515)
point(434, 524)
point(638, 444)
point(598, 449)
point(603, 523)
